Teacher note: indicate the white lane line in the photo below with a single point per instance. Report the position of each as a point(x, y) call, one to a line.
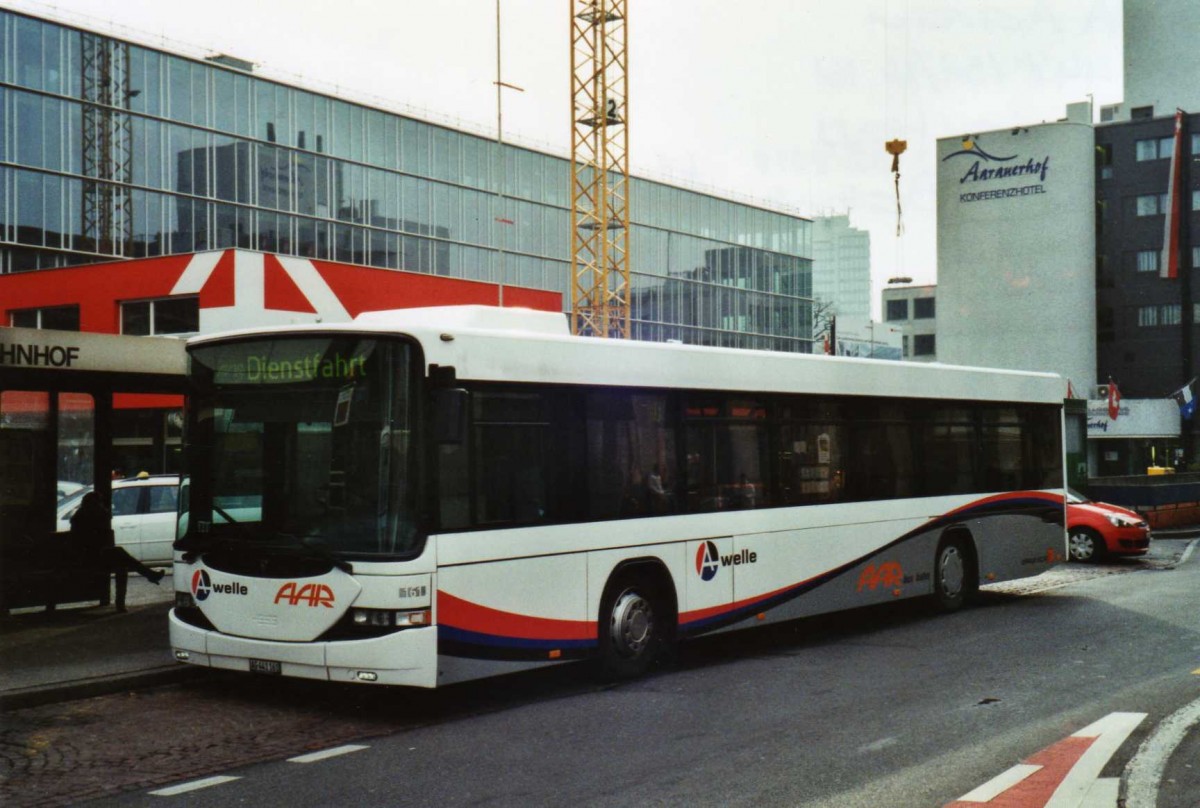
point(1187, 552)
point(195, 785)
point(1145, 771)
point(325, 754)
point(1000, 783)
point(1103, 793)
point(1110, 732)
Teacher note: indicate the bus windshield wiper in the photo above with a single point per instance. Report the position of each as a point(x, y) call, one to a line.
point(195, 547)
point(307, 547)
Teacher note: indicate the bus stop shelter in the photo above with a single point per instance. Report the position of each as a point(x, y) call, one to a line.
point(59, 391)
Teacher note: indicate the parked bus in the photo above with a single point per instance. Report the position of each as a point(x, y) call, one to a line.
point(426, 496)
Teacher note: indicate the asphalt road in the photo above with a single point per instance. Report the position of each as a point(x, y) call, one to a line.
point(895, 707)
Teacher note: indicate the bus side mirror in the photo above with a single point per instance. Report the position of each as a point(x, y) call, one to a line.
point(450, 415)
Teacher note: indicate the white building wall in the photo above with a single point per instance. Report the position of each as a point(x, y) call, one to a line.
point(841, 273)
point(1017, 249)
point(1162, 60)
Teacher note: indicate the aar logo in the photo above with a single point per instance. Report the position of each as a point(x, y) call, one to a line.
point(291, 594)
point(201, 585)
point(707, 561)
point(887, 575)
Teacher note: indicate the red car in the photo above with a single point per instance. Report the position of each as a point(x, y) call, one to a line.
point(1096, 529)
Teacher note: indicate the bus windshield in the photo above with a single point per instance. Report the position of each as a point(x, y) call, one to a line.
point(302, 440)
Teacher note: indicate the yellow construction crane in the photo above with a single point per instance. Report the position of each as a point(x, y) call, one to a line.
point(599, 169)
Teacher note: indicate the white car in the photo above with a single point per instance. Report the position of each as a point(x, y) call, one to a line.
point(66, 488)
point(143, 515)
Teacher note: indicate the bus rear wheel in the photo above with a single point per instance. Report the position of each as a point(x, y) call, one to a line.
point(634, 627)
point(954, 579)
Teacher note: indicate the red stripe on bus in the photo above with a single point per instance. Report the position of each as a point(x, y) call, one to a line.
point(725, 608)
point(468, 616)
point(1051, 499)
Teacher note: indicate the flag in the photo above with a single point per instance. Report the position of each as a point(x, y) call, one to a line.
point(1169, 267)
point(1114, 401)
point(1186, 400)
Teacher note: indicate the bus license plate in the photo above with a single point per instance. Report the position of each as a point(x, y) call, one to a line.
point(268, 666)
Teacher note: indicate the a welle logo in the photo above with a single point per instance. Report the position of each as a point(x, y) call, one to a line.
point(203, 586)
point(709, 561)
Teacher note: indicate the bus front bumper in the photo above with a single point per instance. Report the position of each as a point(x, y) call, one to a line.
point(406, 657)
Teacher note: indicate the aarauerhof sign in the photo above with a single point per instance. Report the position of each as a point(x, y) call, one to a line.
point(1136, 418)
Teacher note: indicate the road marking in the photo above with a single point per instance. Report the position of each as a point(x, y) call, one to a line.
point(1000, 783)
point(1145, 772)
point(1061, 775)
point(1187, 553)
point(1108, 734)
point(195, 785)
point(313, 757)
point(1104, 792)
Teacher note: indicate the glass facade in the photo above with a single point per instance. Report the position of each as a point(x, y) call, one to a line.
point(111, 149)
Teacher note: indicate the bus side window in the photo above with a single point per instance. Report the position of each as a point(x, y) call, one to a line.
point(511, 438)
point(630, 455)
point(1045, 470)
point(811, 467)
point(453, 484)
point(880, 451)
point(946, 438)
point(727, 454)
point(1002, 434)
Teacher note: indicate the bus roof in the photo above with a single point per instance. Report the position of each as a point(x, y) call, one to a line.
point(486, 343)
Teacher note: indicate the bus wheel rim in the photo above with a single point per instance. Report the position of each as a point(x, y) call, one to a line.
point(951, 571)
point(632, 624)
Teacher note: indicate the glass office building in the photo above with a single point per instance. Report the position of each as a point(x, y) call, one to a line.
point(109, 148)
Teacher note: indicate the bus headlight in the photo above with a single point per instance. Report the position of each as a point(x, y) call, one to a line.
point(387, 618)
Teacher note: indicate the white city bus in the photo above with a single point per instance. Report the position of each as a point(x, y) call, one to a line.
point(425, 496)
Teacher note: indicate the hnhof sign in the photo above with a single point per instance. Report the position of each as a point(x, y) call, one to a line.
point(39, 349)
point(32, 355)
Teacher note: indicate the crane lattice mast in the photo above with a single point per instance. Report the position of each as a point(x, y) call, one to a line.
point(599, 169)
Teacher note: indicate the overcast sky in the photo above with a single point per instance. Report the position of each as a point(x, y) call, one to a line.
point(788, 102)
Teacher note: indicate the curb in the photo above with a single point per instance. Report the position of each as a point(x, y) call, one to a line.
point(98, 686)
point(1175, 533)
point(1143, 775)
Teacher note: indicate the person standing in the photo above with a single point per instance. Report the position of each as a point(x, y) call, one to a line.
point(92, 537)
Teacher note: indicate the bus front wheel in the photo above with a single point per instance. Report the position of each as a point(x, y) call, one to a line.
point(634, 626)
point(954, 579)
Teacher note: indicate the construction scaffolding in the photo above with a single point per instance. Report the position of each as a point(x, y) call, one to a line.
point(600, 288)
point(107, 145)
